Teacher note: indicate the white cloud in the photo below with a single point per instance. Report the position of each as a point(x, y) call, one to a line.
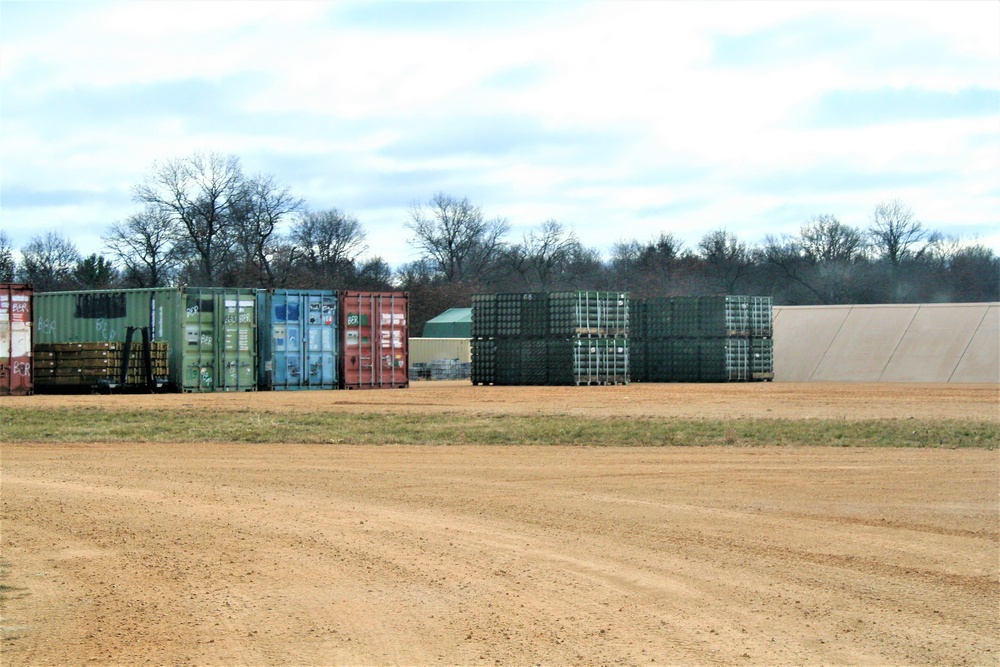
point(629, 123)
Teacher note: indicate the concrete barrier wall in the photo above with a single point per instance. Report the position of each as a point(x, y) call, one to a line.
point(956, 342)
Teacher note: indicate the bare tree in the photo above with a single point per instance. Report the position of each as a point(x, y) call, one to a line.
point(823, 259)
point(456, 237)
point(262, 205)
point(145, 245)
point(47, 261)
point(651, 268)
point(974, 271)
point(8, 266)
point(727, 260)
point(328, 239)
point(826, 239)
point(544, 258)
point(202, 193)
point(372, 274)
point(896, 234)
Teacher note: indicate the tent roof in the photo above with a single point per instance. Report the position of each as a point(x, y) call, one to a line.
point(452, 323)
point(453, 315)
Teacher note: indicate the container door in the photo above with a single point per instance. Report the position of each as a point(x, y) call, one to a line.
point(374, 340)
point(199, 341)
point(15, 340)
point(265, 343)
point(321, 346)
point(6, 372)
point(236, 341)
point(286, 341)
point(20, 343)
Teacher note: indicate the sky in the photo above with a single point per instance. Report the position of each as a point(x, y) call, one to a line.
point(620, 120)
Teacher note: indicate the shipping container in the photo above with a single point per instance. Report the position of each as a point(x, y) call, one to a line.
point(16, 339)
point(220, 339)
point(298, 339)
point(374, 340)
point(210, 332)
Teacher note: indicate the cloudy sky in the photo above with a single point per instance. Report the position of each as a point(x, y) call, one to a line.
point(619, 119)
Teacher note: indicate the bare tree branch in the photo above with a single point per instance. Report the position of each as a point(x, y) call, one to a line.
point(456, 237)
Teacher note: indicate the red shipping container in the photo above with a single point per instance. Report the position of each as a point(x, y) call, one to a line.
point(15, 339)
point(374, 340)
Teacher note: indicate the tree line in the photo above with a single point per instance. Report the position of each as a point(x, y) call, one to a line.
point(201, 220)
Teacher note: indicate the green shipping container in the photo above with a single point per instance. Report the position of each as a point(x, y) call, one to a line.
point(211, 331)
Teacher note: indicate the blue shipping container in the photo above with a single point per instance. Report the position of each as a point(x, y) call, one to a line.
point(298, 333)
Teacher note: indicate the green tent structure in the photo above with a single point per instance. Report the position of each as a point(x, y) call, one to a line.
point(452, 323)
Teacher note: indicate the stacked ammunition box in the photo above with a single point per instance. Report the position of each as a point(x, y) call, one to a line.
point(702, 339)
point(550, 338)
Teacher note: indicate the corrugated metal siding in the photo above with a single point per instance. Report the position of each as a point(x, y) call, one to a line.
point(15, 339)
point(374, 340)
point(299, 342)
point(100, 316)
point(220, 339)
point(211, 332)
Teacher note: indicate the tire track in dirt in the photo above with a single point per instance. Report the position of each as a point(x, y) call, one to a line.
point(266, 555)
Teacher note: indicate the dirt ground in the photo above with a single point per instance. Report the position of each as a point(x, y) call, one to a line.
point(195, 554)
point(693, 401)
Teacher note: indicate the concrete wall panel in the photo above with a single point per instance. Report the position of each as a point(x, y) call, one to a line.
point(802, 335)
point(934, 343)
point(864, 345)
point(981, 361)
point(888, 343)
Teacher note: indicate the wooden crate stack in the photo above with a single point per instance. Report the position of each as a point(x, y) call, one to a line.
point(93, 364)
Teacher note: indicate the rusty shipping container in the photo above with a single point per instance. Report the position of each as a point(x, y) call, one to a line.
point(15, 339)
point(374, 340)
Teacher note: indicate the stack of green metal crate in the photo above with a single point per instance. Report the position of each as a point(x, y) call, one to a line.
point(550, 338)
point(484, 360)
point(701, 339)
point(761, 341)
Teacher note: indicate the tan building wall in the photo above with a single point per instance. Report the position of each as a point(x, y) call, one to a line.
point(954, 342)
point(426, 350)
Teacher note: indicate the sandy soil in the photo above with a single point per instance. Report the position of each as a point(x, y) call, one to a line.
point(760, 400)
point(336, 554)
